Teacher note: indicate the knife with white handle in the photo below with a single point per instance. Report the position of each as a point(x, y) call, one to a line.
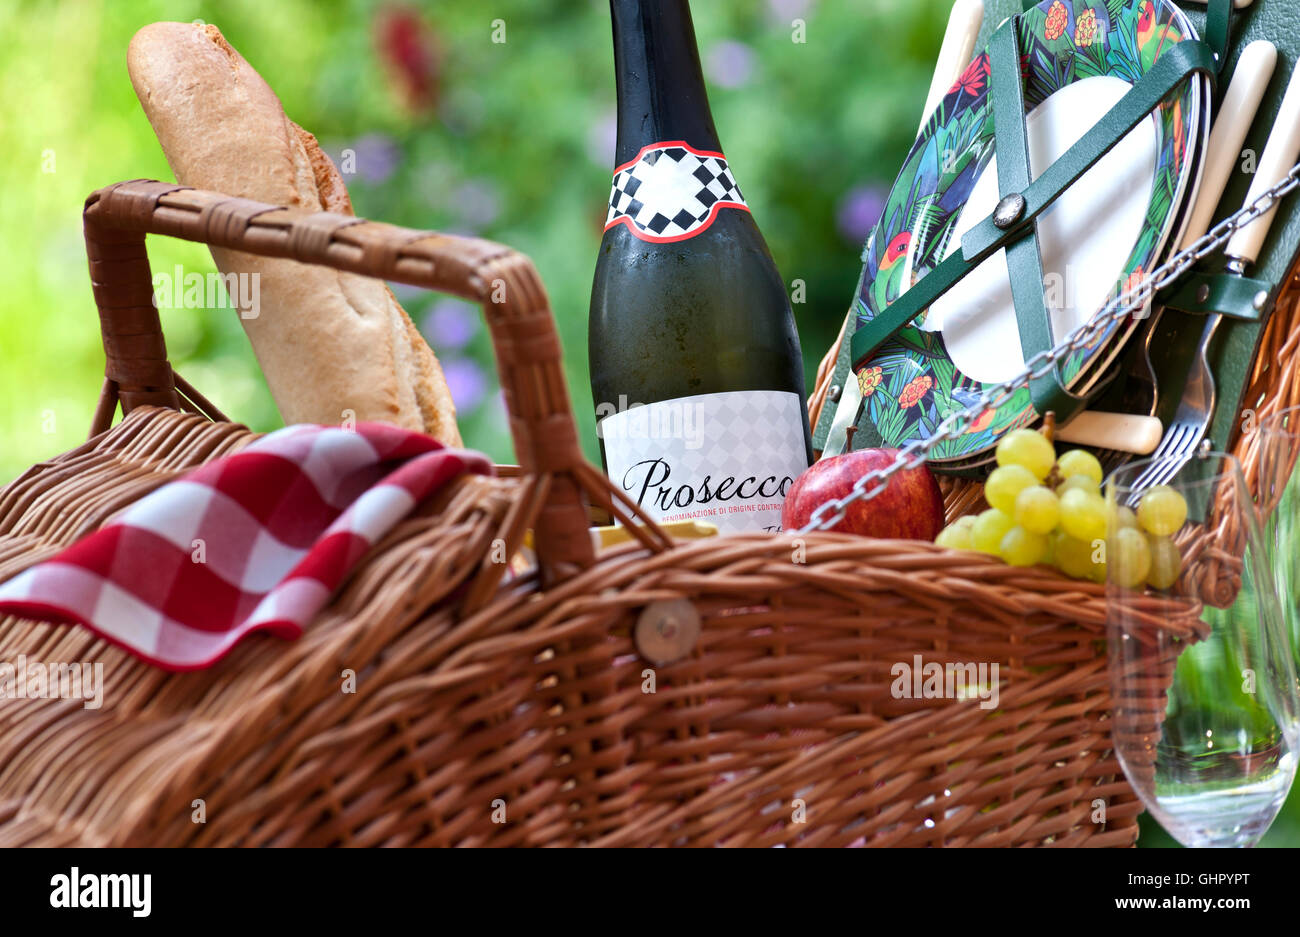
point(955, 54)
point(1240, 104)
point(1125, 432)
point(1279, 156)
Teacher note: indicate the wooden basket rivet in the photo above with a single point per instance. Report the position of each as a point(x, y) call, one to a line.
point(666, 631)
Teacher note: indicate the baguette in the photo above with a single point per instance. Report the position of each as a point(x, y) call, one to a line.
point(329, 343)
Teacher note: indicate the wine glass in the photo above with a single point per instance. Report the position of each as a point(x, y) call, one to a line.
point(1278, 448)
point(1202, 677)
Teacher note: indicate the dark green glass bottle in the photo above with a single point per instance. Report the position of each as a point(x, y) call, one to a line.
point(695, 364)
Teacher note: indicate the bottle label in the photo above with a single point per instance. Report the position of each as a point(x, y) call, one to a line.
point(727, 459)
point(671, 192)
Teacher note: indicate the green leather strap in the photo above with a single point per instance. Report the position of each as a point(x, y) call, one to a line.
point(986, 238)
point(907, 307)
point(1024, 259)
point(1218, 22)
point(1234, 296)
point(1168, 73)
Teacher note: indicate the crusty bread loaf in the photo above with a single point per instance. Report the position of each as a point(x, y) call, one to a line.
point(328, 342)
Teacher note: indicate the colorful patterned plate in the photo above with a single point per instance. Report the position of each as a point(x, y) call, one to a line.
point(1097, 370)
point(1115, 223)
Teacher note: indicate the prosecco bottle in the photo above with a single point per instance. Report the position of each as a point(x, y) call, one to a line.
point(696, 371)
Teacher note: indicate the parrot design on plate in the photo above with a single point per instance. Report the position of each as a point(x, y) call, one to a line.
point(887, 287)
point(1153, 38)
point(888, 284)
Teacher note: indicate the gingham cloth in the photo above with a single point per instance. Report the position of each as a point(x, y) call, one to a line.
point(258, 540)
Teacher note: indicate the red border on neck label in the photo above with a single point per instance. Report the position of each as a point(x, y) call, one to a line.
point(671, 191)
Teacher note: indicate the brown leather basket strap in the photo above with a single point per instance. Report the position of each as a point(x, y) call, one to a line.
point(136, 368)
point(502, 280)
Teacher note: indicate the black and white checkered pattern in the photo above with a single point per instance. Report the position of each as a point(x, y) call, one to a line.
point(670, 192)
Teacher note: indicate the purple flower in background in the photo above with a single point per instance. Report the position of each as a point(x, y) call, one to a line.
point(373, 157)
point(477, 202)
point(783, 11)
point(466, 381)
point(602, 140)
point(450, 324)
point(859, 211)
point(730, 64)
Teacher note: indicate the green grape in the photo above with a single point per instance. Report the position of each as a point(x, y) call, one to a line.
point(1083, 515)
point(1162, 511)
point(1098, 572)
point(1121, 518)
point(1037, 510)
point(1074, 557)
point(1004, 486)
point(1049, 555)
point(965, 524)
point(1080, 462)
point(955, 537)
point(990, 527)
point(1028, 449)
point(1129, 557)
point(1081, 482)
point(1019, 547)
point(1166, 563)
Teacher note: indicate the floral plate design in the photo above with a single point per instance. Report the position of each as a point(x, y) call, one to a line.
point(911, 384)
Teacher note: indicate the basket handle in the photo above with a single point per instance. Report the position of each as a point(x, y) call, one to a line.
point(502, 280)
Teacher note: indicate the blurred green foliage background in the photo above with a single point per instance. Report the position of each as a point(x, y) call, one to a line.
point(445, 129)
point(509, 140)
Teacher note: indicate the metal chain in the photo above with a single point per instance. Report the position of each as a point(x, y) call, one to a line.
point(914, 453)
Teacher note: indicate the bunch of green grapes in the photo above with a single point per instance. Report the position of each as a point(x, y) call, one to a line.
point(1045, 510)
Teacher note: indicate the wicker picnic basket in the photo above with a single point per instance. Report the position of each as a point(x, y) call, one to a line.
point(576, 705)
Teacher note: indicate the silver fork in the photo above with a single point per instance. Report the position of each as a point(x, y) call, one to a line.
point(1189, 424)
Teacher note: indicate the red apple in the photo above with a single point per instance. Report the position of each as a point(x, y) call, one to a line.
point(910, 507)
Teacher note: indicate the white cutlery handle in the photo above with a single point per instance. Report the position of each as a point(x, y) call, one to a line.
point(1126, 432)
point(1280, 154)
point(955, 54)
point(1232, 124)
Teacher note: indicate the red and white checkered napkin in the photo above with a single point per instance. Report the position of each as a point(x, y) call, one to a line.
point(258, 540)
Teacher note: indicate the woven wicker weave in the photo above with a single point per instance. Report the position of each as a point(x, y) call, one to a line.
point(526, 702)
